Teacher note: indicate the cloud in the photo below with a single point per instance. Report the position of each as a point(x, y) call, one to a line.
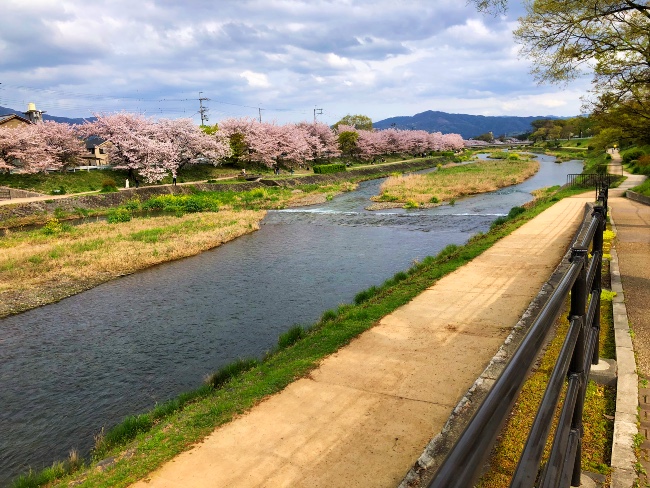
point(377, 57)
point(255, 79)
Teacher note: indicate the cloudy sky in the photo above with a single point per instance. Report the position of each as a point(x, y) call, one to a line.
point(379, 58)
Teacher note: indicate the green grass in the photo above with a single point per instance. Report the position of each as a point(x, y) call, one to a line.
point(84, 181)
point(168, 429)
point(643, 188)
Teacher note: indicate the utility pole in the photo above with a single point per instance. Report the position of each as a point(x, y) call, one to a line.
point(317, 111)
point(203, 110)
point(259, 110)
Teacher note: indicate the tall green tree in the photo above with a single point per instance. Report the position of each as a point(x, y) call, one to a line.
point(348, 143)
point(360, 122)
point(609, 38)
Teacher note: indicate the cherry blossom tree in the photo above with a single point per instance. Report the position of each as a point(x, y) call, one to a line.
point(190, 143)
point(61, 142)
point(23, 148)
point(155, 148)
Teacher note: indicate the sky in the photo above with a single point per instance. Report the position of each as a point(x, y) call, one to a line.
point(283, 60)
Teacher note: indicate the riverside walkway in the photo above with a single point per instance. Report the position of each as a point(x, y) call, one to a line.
point(366, 414)
point(632, 244)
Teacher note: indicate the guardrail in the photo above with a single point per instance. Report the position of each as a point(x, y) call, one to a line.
point(464, 463)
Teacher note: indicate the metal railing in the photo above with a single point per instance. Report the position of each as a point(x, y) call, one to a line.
point(464, 463)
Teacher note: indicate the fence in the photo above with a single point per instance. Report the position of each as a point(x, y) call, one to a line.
point(465, 461)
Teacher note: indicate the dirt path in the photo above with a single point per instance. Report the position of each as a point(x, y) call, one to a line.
point(366, 414)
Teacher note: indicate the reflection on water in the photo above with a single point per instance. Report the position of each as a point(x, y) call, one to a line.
point(69, 368)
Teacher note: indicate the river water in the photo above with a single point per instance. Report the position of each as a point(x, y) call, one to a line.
point(70, 368)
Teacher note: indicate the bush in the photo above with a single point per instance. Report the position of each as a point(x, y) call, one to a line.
point(631, 154)
point(52, 227)
point(132, 205)
point(411, 204)
point(434, 199)
point(108, 186)
point(514, 211)
point(117, 215)
point(329, 168)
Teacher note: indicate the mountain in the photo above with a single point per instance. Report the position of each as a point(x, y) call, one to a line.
point(467, 126)
point(7, 111)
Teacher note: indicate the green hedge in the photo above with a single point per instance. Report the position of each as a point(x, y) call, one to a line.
point(329, 168)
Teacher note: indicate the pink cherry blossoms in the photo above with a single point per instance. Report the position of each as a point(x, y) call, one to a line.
point(39, 147)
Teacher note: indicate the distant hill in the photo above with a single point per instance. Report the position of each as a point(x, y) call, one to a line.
point(6, 111)
point(467, 126)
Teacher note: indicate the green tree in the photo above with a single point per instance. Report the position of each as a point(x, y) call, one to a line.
point(360, 122)
point(609, 38)
point(210, 129)
point(348, 143)
point(487, 137)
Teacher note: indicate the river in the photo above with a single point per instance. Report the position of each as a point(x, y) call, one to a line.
point(70, 368)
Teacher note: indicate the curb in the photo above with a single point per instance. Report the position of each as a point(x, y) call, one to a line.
point(627, 391)
point(637, 197)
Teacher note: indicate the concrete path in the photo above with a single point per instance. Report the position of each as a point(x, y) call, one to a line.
point(366, 414)
point(631, 279)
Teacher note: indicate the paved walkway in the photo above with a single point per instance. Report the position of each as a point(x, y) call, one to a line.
point(366, 414)
point(632, 220)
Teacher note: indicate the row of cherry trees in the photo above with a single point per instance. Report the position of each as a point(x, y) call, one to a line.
point(156, 148)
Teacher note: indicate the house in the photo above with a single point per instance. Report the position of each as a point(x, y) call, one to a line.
point(98, 150)
point(12, 121)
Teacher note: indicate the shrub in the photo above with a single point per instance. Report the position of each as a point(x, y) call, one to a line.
point(411, 204)
point(290, 337)
point(229, 371)
point(117, 215)
point(329, 168)
point(498, 221)
point(132, 205)
point(449, 154)
point(579, 143)
point(513, 157)
point(631, 154)
point(434, 199)
point(608, 156)
point(108, 185)
point(52, 227)
point(514, 211)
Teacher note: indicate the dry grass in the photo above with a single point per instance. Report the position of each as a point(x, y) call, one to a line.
point(37, 268)
point(449, 183)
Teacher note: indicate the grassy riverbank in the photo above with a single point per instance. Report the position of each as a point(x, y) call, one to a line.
point(58, 260)
point(143, 443)
point(448, 183)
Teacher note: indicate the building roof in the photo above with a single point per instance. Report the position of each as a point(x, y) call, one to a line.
point(94, 141)
point(8, 117)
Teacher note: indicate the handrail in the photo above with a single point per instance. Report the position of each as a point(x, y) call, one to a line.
point(464, 463)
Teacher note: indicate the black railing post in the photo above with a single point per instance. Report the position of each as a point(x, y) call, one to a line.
point(597, 247)
point(576, 369)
